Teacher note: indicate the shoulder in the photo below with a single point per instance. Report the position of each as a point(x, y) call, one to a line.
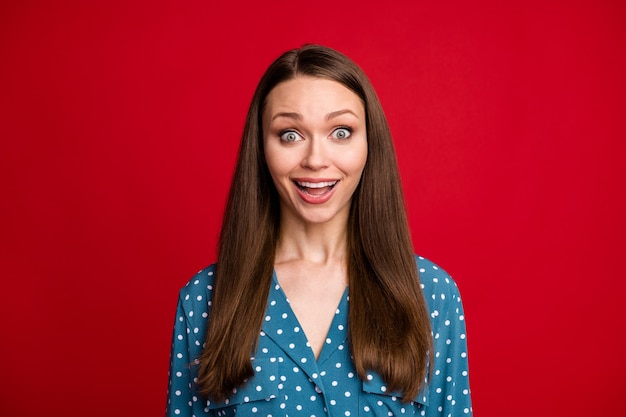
point(200, 283)
point(195, 297)
point(439, 288)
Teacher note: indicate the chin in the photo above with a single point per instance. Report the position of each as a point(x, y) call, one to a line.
point(320, 216)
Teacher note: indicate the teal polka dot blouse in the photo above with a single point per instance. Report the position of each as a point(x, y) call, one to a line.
point(289, 381)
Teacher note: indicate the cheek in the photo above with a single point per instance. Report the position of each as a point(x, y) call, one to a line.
point(354, 162)
point(276, 163)
point(271, 158)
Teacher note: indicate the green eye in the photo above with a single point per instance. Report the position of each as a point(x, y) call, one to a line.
point(289, 136)
point(342, 133)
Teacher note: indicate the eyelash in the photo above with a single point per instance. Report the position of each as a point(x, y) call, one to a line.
point(286, 131)
point(333, 134)
point(348, 129)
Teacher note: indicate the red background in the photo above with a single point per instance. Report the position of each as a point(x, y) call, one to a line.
point(119, 124)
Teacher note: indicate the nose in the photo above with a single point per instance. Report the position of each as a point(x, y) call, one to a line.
point(317, 154)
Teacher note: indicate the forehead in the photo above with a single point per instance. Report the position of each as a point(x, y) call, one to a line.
point(311, 96)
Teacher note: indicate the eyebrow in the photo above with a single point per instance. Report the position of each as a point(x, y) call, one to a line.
point(339, 113)
point(298, 116)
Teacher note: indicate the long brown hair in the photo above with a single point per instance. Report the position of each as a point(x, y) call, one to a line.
point(389, 328)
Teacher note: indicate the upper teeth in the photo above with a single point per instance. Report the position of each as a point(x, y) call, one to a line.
point(317, 184)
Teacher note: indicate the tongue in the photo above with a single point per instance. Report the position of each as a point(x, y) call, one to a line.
point(317, 191)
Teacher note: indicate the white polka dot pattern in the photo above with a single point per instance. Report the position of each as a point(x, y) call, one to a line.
point(289, 380)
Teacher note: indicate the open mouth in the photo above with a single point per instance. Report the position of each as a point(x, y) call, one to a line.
point(315, 188)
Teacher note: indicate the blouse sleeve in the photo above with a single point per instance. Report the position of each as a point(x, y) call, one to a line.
point(449, 387)
point(182, 401)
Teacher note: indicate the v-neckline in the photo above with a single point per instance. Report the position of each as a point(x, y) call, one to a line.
point(279, 303)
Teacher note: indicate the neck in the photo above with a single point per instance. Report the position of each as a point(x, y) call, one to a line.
point(320, 244)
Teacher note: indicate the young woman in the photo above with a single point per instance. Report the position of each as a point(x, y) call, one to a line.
point(317, 305)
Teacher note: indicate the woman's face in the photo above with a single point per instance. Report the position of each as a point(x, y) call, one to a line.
point(315, 144)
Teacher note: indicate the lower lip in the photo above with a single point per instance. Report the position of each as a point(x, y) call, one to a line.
point(316, 199)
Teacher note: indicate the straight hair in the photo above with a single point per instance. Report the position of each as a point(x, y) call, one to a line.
point(389, 327)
